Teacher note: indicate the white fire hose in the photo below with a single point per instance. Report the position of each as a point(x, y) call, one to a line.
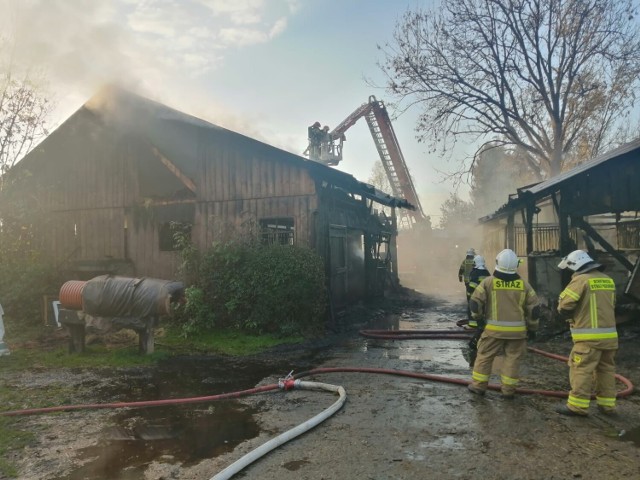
point(272, 444)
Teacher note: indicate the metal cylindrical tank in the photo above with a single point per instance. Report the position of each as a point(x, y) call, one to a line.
point(71, 294)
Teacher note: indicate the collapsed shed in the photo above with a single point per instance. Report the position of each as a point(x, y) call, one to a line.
point(110, 187)
point(593, 206)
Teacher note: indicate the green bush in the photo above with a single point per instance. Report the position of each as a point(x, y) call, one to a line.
point(22, 285)
point(257, 289)
point(27, 274)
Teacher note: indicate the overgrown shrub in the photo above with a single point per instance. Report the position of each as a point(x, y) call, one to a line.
point(257, 289)
point(27, 274)
point(22, 286)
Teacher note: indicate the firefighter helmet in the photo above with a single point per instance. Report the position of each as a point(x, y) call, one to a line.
point(478, 262)
point(507, 261)
point(575, 260)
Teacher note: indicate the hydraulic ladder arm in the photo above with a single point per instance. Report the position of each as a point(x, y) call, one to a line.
point(379, 122)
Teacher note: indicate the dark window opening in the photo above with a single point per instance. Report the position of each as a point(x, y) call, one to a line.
point(277, 231)
point(172, 235)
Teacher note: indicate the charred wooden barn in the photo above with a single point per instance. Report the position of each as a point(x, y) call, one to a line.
point(594, 207)
point(116, 179)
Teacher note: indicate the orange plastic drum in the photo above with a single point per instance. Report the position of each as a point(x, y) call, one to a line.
point(71, 294)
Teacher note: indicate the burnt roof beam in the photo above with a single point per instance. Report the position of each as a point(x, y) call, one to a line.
point(589, 230)
point(186, 181)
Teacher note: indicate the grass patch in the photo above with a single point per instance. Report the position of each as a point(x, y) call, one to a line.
point(11, 438)
point(93, 357)
point(169, 341)
point(226, 342)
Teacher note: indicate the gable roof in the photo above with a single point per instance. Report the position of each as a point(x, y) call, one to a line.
point(171, 130)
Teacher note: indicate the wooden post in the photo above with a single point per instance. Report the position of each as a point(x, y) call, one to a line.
point(393, 250)
point(566, 244)
point(511, 234)
point(74, 321)
point(531, 264)
point(146, 336)
point(77, 338)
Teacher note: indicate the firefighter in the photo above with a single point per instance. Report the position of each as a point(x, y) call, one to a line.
point(477, 275)
point(315, 139)
point(508, 307)
point(325, 143)
point(588, 304)
point(463, 275)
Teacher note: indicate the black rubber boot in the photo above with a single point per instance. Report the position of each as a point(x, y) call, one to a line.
point(562, 409)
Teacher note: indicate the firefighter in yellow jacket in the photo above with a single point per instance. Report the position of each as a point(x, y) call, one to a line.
point(464, 273)
point(508, 308)
point(588, 304)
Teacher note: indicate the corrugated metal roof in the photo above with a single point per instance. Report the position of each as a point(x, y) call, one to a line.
point(543, 189)
point(583, 167)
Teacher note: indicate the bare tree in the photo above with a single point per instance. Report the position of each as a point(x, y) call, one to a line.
point(23, 112)
point(543, 75)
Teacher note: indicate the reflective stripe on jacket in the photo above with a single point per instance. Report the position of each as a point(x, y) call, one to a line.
point(507, 306)
point(476, 276)
point(590, 299)
point(465, 269)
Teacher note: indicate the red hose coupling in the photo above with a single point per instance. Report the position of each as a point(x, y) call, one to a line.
point(287, 384)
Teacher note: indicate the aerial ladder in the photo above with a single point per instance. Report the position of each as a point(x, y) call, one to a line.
point(328, 150)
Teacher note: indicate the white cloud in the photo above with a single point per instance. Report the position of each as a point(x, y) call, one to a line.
point(152, 45)
point(278, 27)
point(240, 12)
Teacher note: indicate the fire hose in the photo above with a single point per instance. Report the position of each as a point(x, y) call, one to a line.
point(294, 382)
point(265, 448)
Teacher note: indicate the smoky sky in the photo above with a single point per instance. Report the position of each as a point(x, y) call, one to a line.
point(163, 49)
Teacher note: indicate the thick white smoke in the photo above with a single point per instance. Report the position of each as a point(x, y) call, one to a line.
point(162, 49)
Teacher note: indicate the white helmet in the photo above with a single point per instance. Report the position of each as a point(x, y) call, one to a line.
point(575, 260)
point(478, 262)
point(507, 261)
point(471, 251)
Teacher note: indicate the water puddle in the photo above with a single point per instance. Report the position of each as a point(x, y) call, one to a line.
point(449, 356)
point(446, 442)
point(295, 465)
point(177, 435)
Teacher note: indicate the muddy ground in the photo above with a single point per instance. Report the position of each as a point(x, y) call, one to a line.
point(391, 427)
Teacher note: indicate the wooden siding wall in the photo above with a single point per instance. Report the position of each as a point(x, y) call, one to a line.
point(81, 178)
point(144, 251)
point(89, 180)
point(88, 234)
point(236, 190)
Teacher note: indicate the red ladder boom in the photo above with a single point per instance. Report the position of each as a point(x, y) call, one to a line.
point(386, 142)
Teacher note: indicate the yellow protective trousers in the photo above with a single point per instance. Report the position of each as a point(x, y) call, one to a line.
point(587, 363)
point(490, 347)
